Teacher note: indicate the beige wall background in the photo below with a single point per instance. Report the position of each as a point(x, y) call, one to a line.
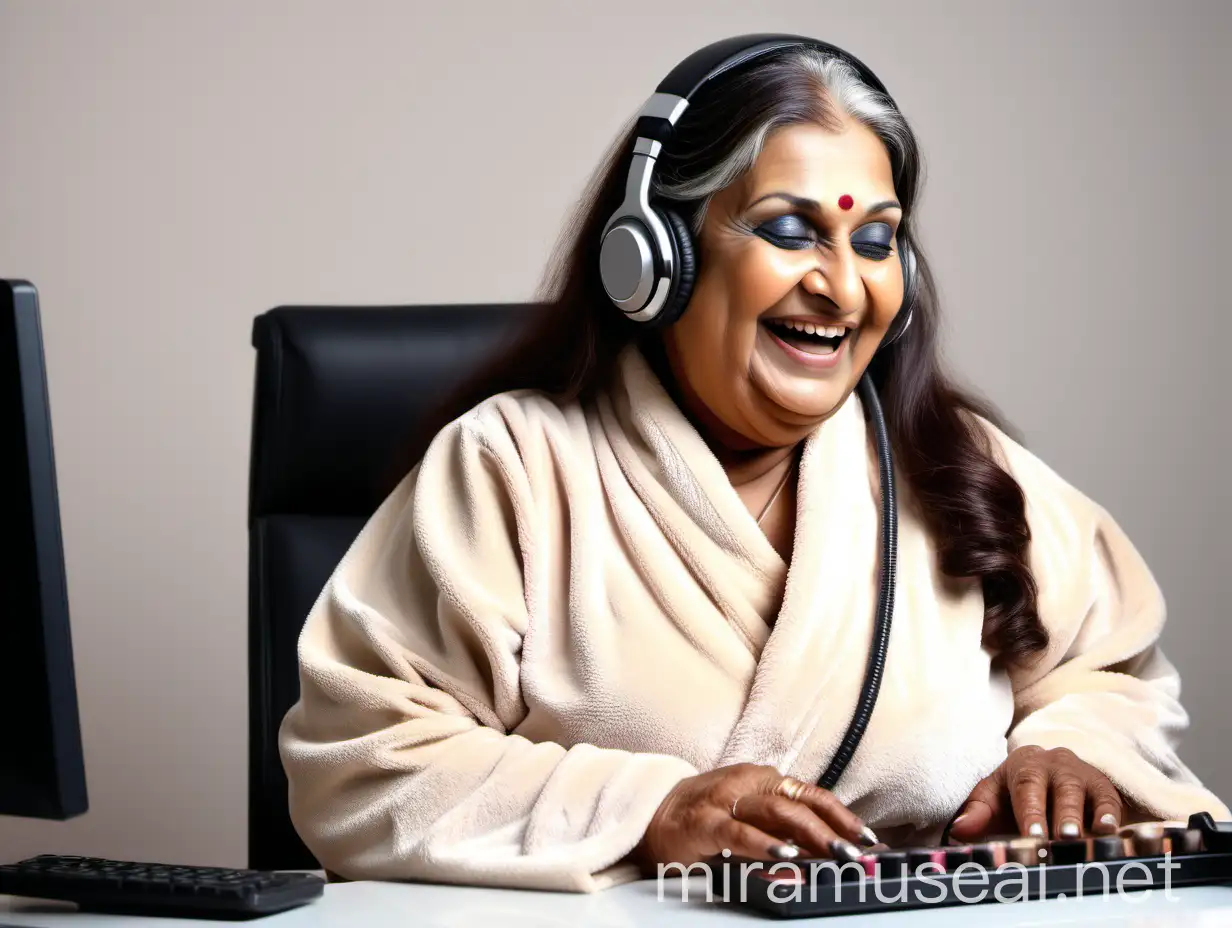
point(169, 169)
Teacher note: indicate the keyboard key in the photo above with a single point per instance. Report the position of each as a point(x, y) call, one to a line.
point(1183, 840)
point(1109, 847)
point(1069, 852)
point(955, 857)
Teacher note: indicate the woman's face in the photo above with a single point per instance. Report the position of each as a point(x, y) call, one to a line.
point(799, 281)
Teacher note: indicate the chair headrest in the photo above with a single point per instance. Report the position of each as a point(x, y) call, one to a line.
point(339, 390)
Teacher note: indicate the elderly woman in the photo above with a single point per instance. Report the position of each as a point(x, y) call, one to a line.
point(620, 612)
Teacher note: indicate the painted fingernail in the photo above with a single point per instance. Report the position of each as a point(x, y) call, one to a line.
point(784, 851)
point(1069, 830)
point(868, 837)
point(1108, 819)
point(1036, 830)
point(844, 850)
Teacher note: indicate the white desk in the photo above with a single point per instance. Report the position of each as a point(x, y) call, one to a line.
point(635, 905)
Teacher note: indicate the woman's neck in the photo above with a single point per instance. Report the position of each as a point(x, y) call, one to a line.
point(746, 466)
point(744, 462)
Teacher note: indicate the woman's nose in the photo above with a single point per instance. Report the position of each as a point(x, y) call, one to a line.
point(838, 278)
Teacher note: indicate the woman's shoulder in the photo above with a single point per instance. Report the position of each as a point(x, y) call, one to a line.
point(1059, 512)
point(1077, 547)
point(513, 424)
point(1038, 476)
point(520, 409)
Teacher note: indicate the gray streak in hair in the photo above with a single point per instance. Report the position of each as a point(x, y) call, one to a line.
point(839, 85)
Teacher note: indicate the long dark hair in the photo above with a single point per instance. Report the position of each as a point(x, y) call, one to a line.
point(974, 510)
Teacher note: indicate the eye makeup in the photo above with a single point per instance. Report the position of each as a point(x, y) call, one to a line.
point(788, 231)
point(796, 233)
point(872, 240)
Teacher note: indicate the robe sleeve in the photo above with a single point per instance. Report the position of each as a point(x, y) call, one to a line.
point(401, 753)
point(1103, 688)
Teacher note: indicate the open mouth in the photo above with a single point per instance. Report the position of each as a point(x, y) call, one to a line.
point(808, 337)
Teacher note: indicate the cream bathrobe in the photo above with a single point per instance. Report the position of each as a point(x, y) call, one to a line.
point(563, 611)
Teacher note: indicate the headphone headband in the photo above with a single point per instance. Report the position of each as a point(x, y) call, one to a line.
point(674, 93)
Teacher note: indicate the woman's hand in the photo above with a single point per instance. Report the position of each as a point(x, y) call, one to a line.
point(1017, 795)
point(752, 811)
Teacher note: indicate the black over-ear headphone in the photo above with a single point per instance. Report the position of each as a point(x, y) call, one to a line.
point(646, 259)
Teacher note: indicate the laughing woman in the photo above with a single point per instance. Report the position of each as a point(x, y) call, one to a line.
point(620, 612)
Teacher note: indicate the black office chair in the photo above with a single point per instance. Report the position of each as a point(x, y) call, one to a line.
point(338, 391)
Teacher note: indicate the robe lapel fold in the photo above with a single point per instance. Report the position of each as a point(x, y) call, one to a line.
point(799, 700)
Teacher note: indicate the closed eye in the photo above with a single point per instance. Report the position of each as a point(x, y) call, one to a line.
point(871, 240)
point(790, 231)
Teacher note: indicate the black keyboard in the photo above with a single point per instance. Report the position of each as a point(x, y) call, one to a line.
point(1010, 870)
point(128, 888)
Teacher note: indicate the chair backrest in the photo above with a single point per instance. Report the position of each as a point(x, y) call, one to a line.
point(339, 392)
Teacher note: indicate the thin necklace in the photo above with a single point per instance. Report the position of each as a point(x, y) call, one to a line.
point(777, 491)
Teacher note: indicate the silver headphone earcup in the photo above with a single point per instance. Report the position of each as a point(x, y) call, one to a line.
point(627, 265)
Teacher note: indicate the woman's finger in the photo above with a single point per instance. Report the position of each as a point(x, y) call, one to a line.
point(1069, 802)
point(825, 805)
point(797, 823)
point(1027, 779)
point(747, 840)
point(1107, 809)
point(985, 810)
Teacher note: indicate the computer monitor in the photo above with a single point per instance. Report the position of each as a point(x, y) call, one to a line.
point(42, 774)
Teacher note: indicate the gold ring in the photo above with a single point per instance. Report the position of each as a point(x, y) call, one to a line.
point(791, 788)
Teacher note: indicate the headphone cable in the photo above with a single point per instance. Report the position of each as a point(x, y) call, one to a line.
point(885, 599)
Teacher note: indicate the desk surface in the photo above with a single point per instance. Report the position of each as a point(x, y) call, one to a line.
point(389, 905)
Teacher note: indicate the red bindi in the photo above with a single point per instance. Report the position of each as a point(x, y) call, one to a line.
point(845, 201)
